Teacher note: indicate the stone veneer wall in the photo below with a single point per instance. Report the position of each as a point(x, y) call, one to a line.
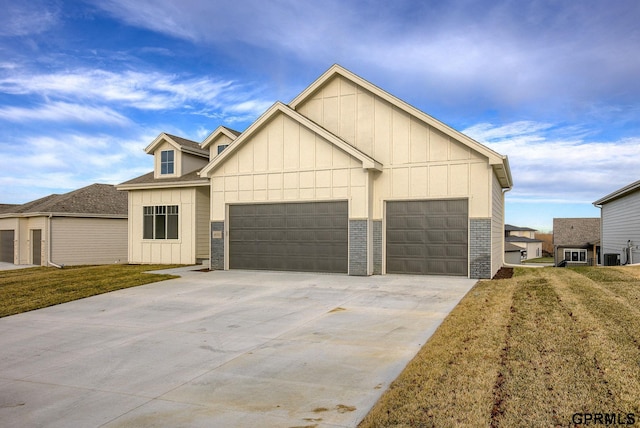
point(377, 247)
point(480, 248)
point(358, 247)
point(217, 246)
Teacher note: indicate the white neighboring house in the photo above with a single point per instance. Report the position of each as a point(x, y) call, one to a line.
point(525, 238)
point(620, 225)
point(86, 226)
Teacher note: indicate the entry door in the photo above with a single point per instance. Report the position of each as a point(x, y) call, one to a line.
point(6, 246)
point(36, 247)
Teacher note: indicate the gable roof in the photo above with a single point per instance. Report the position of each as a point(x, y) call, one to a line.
point(178, 143)
point(499, 162)
point(510, 248)
point(511, 228)
point(279, 108)
point(624, 191)
point(576, 232)
point(148, 181)
point(520, 239)
point(94, 200)
point(220, 130)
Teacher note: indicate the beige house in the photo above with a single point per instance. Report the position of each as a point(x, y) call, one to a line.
point(345, 178)
point(576, 241)
point(86, 226)
point(525, 239)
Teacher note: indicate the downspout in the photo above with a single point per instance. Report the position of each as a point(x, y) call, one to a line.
point(49, 262)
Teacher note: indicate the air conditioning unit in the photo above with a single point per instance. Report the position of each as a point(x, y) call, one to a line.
point(611, 259)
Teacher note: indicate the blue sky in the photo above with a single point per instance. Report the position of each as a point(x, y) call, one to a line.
point(86, 85)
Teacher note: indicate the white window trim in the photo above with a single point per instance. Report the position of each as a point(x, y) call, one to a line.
point(577, 250)
point(172, 163)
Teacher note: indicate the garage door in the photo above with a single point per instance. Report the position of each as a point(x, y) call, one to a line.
point(307, 237)
point(6, 246)
point(427, 237)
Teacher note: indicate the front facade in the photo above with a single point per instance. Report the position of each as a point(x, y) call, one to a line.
point(86, 226)
point(620, 216)
point(576, 241)
point(347, 178)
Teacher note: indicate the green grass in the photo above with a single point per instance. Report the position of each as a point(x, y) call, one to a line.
point(34, 288)
point(532, 350)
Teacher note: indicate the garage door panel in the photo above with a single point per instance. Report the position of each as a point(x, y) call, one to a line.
point(427, 237)
point(6, 246)
point(293, 236)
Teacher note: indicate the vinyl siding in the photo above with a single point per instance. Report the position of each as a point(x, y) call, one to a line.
point(84, 241)
point(497, 227)
point(620, 223)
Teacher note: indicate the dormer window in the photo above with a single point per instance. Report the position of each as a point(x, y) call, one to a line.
point(221, 147)
point(166, 161)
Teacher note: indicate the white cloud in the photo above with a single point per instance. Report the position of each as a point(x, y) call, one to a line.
point(25, 18)
point(67, 112)
point(555, 163)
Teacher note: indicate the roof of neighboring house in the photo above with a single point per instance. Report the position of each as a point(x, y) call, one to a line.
point(510, 248)
point(97, 199)
point(576, 232)
point(624, 191)
point(520, 239)
point(5, 208)
point(510, 227)
point(149, 180)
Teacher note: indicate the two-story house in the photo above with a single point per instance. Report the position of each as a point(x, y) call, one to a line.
point(345, 178)
point(525, 239)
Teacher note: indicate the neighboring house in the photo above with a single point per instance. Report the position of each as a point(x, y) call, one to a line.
point(512, 254)
point(86, 226)
point(525, 239)
point(345, 178)
point(620, 216)
point(576, 241)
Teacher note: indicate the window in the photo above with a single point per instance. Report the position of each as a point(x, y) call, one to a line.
point(576, 256)
point(221, 147)
point(166, 162)
point(160, 222)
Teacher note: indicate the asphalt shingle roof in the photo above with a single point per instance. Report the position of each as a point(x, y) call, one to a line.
point(92, 199)
point(576, 232)
point(149, 178)
point(185, 142)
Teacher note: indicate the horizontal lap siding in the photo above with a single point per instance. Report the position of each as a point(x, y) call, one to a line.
point(621, 223)
point(82, 241)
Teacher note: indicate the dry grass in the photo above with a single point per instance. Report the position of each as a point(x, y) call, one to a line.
point(34, 288)
point(528, 351)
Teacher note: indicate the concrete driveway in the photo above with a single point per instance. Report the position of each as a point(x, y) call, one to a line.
point(227, 349)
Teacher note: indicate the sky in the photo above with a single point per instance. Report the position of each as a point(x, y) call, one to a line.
point(86, 85)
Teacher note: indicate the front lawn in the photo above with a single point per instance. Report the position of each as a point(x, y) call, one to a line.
point(548, 347)
point(34, 288)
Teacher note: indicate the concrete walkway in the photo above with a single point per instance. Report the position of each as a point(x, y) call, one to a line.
point(11, 266)
point(219, 349)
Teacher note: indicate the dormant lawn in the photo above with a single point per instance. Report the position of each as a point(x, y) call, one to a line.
point(548, 347)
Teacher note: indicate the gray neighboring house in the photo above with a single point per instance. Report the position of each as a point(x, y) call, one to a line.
point(620, 216)
point(85, 226)
point(576, 241)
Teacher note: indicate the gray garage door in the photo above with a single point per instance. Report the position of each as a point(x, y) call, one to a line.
point(6, 246)
point(427, 237)
point(307, 237)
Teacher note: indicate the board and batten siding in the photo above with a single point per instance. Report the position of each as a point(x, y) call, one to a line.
point(286, 162)
point(86, 241)
point(419, 161)
point(621, 223)
point(497, 227)
point(164, 251)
